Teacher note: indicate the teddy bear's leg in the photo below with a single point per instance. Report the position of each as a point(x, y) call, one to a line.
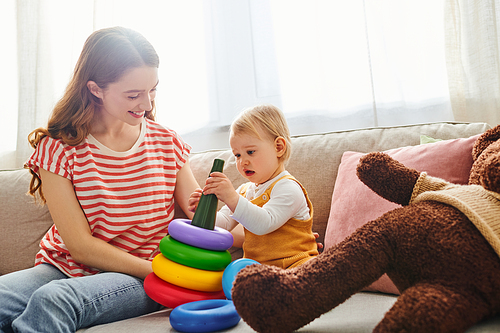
point(433, 308)
point(271, 299)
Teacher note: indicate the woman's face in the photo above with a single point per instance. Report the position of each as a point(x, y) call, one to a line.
point(129, 98)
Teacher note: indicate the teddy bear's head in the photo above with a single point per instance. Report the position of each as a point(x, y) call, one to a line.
point(486, 156)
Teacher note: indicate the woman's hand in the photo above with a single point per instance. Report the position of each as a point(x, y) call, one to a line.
point(186, 184)
point(193, 200)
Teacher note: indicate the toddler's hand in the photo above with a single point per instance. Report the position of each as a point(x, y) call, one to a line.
point(320, 245)
point(193, 200)
point(222, 187)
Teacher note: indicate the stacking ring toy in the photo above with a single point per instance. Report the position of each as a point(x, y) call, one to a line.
point(194, 256)
point(204, 316)
point(172, 296)
point(230, 274)
point(216, 240)
point(187, 277)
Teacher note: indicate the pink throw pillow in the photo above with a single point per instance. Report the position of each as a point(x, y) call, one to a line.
point(354, 204)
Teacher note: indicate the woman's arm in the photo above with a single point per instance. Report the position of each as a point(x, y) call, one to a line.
point(184, 186)
point(74, 229)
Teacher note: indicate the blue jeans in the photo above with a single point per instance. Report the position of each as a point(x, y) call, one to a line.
point(43, 299)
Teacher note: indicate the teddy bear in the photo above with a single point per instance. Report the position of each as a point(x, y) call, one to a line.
point(440, 248)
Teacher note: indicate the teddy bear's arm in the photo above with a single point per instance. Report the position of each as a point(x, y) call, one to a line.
point(387, 177)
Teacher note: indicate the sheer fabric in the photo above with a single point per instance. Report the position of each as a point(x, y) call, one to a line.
point(328, 64)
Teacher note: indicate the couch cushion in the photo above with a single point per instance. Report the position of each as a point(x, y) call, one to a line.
point(354, 204)
point(315, 158)
point(314, 162)
point(22, 221)
point(359, 314)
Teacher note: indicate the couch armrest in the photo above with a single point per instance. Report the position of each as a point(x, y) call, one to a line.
point(22, 222)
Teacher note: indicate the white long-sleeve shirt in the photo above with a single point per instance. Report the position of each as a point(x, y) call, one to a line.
point(287, 201)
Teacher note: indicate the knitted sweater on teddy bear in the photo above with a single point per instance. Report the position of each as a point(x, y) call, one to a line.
point(481, 206)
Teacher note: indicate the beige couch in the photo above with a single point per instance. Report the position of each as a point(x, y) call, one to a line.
point(315, 161)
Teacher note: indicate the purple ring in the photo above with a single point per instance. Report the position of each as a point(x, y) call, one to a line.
point(216, 240)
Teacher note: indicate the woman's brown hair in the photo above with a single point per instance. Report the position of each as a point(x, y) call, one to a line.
point(107, 54)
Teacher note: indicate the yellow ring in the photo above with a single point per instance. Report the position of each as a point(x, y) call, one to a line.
point(187, 277)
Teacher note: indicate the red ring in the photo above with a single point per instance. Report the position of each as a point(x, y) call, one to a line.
point(171, 296)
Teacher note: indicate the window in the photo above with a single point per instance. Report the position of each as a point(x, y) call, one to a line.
point(328, 64)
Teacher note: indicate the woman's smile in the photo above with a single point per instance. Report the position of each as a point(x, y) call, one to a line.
point(137, 114)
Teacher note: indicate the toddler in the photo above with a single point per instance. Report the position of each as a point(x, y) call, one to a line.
point(273, 207)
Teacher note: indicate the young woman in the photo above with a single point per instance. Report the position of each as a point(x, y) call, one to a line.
point(109, 175)
point(273, 206)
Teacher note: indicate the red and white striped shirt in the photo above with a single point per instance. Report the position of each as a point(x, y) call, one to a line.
point(127, 197)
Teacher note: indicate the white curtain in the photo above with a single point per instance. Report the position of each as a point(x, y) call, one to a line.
point(47, 44)
point(473, 59)
point(43, 40)
point(328, 64)
point(362, 63)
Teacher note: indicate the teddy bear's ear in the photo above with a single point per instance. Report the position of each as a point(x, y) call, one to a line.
point(486, 139)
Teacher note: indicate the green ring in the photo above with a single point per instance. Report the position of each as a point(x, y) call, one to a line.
point(192, 256)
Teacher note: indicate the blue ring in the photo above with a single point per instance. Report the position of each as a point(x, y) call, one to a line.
point(216, 240)
point(204, 316)
point(230, 272)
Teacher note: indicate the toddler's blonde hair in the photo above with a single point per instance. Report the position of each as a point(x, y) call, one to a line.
point(270, 120)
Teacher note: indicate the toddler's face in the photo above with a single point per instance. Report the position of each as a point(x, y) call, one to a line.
point(256, 159)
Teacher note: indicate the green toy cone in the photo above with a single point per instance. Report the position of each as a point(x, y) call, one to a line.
point(204, 217)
